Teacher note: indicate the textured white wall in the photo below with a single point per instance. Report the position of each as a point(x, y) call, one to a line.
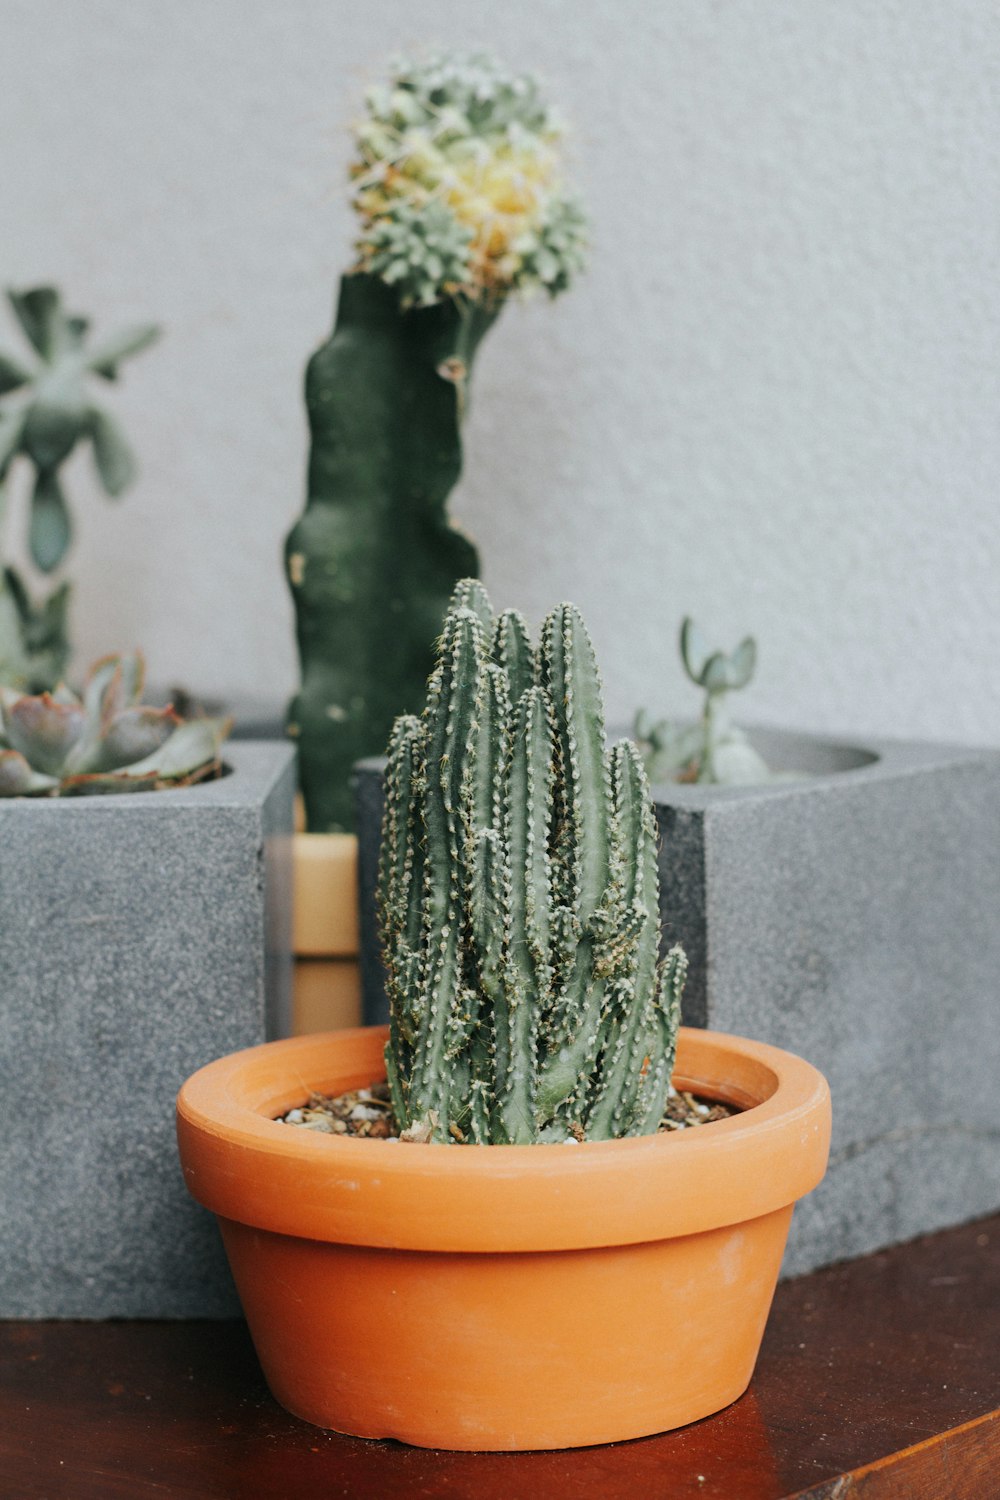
point(773, 403)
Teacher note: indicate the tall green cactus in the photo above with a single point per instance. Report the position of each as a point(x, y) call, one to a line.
point(519, 898)
point(374, 558)
point(456, 184)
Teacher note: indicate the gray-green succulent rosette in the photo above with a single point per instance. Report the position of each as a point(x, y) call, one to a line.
point(58, 744)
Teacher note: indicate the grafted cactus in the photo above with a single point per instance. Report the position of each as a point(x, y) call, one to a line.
point(57, 744)
point(457, 186)
point(519, 898)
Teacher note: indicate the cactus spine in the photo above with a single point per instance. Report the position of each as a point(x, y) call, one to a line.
point(519, 898)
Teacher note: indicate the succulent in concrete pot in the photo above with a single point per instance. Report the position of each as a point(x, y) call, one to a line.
point(46, 410)
point(107, 740)
point(458, 187)
point(713, 751)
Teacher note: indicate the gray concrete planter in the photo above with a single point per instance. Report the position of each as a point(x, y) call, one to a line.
point(140, 937)
point(854, 918)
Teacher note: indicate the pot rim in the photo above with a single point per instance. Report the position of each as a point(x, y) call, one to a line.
point(243, 1165)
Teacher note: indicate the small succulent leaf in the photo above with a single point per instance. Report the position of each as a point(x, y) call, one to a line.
point(43, 626)
point(715, 675)
point(12, 374)
point(115, 460)
point(53, 424)
point(694, 651)
point(47, 627)
point(50, 530)
point(125, 674)
point(742, 663)
point(44, 731)
point(11, 433)
point(133, 735)
point(736, 763)
point(14, 664)
point(105, 695)
point(75, 331)
point(102, 693)
point(17, 779)
point(188, 748)
point(109, 353)
point(14, 584)
point(39, 313)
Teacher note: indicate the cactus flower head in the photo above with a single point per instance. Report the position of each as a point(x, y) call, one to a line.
point(458, 184)
point(58, 744)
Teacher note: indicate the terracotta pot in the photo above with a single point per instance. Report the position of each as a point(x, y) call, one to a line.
point(503, 1297)
point(327, 981)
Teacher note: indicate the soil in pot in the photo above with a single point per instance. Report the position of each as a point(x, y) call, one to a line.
point(367, 1113)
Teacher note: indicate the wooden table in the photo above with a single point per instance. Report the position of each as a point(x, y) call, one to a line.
point(878, 1380)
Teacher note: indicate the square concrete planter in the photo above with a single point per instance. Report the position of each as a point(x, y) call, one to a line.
point(852, 917)
point(140, 937)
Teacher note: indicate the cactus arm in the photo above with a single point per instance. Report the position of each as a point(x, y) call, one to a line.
point(661, 1043)
point(400, 881)
point(453, 694)
point(582, 814)
point(528, 955)
point(470, 594)
point(492, 739)
point(632, 997)
point(570, 675)
point(513, 652)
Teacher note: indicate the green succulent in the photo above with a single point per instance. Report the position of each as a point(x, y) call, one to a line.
point(58, 744)
point(53, 411)
point(712, 751)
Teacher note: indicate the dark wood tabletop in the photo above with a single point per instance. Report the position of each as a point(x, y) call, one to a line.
point(878, 1380)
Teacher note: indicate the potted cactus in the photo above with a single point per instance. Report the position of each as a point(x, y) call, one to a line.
point(457, 184)
point(140, 932)
point(431, 1287)
point(46, 410)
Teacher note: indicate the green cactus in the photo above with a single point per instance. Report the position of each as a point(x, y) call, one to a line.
point(713, 751)
point(519, 898)
point(457, 190)
point(47, 410)
point(57, 744)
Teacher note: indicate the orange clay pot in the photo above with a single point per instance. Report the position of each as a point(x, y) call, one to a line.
point(503, 1297)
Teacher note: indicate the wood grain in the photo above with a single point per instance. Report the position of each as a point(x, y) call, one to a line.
point(878, 1380)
